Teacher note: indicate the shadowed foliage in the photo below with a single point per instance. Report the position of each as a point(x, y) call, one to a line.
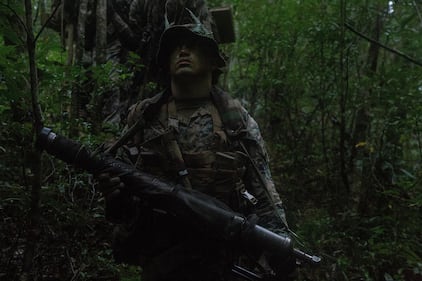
point(335, 86)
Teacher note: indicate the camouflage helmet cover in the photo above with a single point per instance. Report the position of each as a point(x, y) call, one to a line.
point(196, 30)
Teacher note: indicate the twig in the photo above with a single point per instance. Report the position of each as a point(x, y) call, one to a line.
point(72, 267)
point(93, 193)
point(19, 20)
point(348, 26)
point(52, 172)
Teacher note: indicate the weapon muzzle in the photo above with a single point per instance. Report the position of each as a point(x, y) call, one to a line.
point(67, 150)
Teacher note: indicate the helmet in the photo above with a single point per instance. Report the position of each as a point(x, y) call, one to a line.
point(196, 30)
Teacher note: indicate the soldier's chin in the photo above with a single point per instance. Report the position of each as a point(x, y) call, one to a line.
point(184, 72)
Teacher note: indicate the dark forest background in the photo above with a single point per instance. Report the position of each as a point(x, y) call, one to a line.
point(336, 87)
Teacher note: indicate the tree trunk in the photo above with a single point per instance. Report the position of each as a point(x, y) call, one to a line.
point(33, 231)
point(100, 58)
point(75, 106)
point(70, 43)
point(360, 150)
point(343, 102)
point(101, 32)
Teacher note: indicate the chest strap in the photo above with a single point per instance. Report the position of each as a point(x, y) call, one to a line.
point(172, 145)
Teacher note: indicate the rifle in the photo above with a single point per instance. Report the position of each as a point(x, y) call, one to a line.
point(202, 212)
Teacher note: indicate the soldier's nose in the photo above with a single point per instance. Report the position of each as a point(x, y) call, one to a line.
point(184, 51)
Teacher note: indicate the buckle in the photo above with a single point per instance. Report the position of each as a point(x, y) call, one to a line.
point(246, 195)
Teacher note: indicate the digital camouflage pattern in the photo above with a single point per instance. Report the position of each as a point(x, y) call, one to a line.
point(192, 29)
point(210, 144)
point(210, 155)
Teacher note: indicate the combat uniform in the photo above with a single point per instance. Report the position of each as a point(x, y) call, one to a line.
point(222, 155)
point(209, 144)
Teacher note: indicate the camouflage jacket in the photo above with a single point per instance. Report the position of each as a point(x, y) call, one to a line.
point(222, 150)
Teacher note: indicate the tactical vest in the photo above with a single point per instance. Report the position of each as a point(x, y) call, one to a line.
point(216, 169)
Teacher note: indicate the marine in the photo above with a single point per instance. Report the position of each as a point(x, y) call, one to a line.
point(195, 134)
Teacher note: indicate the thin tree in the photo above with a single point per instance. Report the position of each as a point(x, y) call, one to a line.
point(33, 231)
point(35, 162)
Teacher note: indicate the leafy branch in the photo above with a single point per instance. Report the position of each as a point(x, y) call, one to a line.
point(22, 23)
point(394, 51)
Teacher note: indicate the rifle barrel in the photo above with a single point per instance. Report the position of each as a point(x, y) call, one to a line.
point(198, 209)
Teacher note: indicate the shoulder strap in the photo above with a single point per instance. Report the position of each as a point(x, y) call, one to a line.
point(154, 104)
point(230, 112)
point(138, 114)
point(172, 145)
point(216, 118)
point(235, 125)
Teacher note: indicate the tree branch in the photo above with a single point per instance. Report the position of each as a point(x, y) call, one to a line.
point(16, 15)
point(394, 51)
point(418, 12)
point(47, 21)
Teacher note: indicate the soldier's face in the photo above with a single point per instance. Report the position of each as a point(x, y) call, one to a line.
point(190, 58)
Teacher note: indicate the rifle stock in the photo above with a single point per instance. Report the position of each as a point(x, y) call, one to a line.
point(201, 211)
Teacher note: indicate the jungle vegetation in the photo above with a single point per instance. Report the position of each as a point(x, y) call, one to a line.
point(336, 87)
